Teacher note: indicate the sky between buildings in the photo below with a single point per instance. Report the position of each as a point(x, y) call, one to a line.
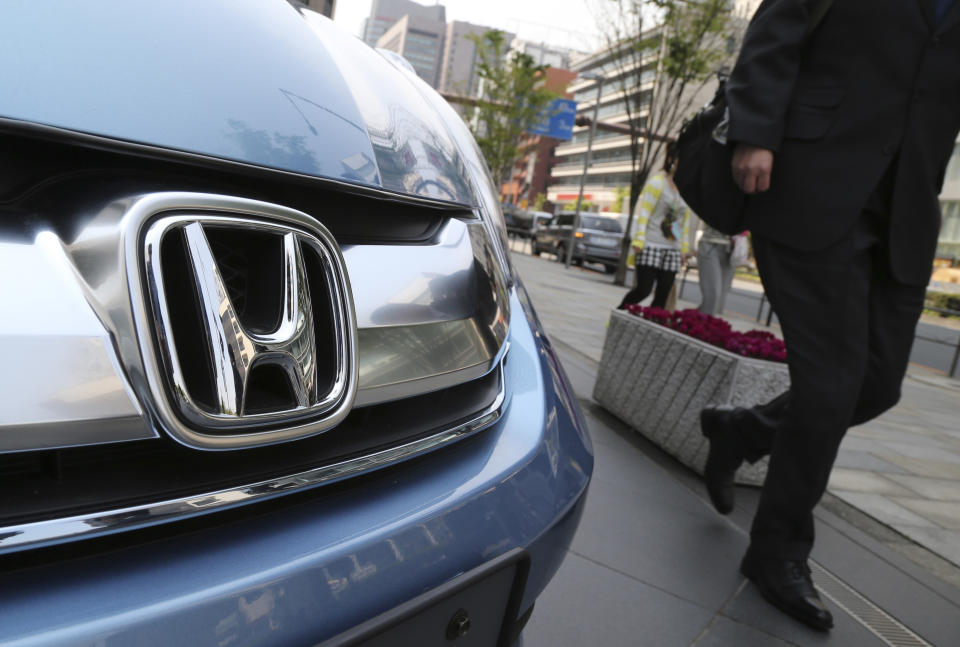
point(562, 23)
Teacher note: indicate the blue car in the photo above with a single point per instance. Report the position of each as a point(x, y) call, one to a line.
point(269, 377)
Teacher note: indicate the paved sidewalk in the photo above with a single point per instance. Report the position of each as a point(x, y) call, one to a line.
point(653, 565)
point(902, 469)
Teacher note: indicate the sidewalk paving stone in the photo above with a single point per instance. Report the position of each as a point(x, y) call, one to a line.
point(634, 613)
point(884, 508)
point(929, 488)
point(945, 514)
point(673, 549)
point(864, 460)
point(932, 450)
point(863, 481)
point(751, 609)
point(725, 632)
point(941, 541)
point(935, 469)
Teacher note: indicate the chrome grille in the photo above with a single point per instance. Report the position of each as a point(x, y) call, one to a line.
point(81, 433)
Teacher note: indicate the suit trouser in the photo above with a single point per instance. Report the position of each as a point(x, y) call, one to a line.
point(848, 326)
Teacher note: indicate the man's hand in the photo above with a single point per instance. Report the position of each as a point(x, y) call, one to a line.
point(752, 167)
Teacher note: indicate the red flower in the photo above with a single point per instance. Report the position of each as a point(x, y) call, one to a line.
point(715, 331)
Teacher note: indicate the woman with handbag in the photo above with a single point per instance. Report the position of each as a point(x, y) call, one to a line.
point(659, 248)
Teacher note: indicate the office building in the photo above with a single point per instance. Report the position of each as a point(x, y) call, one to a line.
point(543, 54)
point(627, 77)
point(420, 41)
point(610, 165)
point(384, 14)
point(458, 74)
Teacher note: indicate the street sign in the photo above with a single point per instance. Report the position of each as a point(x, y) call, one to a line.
point(556, 120)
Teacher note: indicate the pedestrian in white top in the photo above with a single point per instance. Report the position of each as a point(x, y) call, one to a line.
point(659, 248)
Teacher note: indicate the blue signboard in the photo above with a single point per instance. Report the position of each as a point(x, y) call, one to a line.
point(556, 120)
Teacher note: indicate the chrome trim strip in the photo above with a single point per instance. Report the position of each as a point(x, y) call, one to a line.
point(43, 533)
point(419, 386)
point(388, 391)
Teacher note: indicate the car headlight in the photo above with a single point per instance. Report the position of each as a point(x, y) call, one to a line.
point(485, 190)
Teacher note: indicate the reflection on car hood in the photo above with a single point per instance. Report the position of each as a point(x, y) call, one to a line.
point(257, 82)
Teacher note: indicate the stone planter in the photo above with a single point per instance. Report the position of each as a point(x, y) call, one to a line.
point(657, 380)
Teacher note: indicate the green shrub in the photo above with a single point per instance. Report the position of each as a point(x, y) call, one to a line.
point(944, 301)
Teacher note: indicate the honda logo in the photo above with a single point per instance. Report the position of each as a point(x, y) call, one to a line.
point(234, 350)
point(254, 333)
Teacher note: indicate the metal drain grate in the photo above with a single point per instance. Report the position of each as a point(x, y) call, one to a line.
point(876, 620)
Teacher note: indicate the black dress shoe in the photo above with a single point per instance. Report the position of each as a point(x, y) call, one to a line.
point(788, 586)
point(717, 423)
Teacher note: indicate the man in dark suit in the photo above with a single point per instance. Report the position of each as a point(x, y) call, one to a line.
point(842, 137)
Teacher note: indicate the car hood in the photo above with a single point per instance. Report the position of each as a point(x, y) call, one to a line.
point(257, 82)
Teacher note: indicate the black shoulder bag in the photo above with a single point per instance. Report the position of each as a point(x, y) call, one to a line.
point(704, 176)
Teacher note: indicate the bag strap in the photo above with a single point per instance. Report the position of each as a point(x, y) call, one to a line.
point(819, 10)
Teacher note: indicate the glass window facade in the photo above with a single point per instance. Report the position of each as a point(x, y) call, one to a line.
point(422, 49)
point(612, 67)
point(614, 85)
point(582, 136)
point(606, 180)
point(600, 157)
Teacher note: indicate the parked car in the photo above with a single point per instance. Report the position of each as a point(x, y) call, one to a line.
point(597, 240)
point(512, 214)
point(525, 224)
point(269, 376)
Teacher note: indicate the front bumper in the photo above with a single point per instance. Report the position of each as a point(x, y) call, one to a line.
point(301, 569)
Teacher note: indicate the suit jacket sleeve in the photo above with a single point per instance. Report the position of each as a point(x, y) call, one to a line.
point(761, 86)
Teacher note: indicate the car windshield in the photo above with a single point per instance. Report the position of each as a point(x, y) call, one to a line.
point(603, 224)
